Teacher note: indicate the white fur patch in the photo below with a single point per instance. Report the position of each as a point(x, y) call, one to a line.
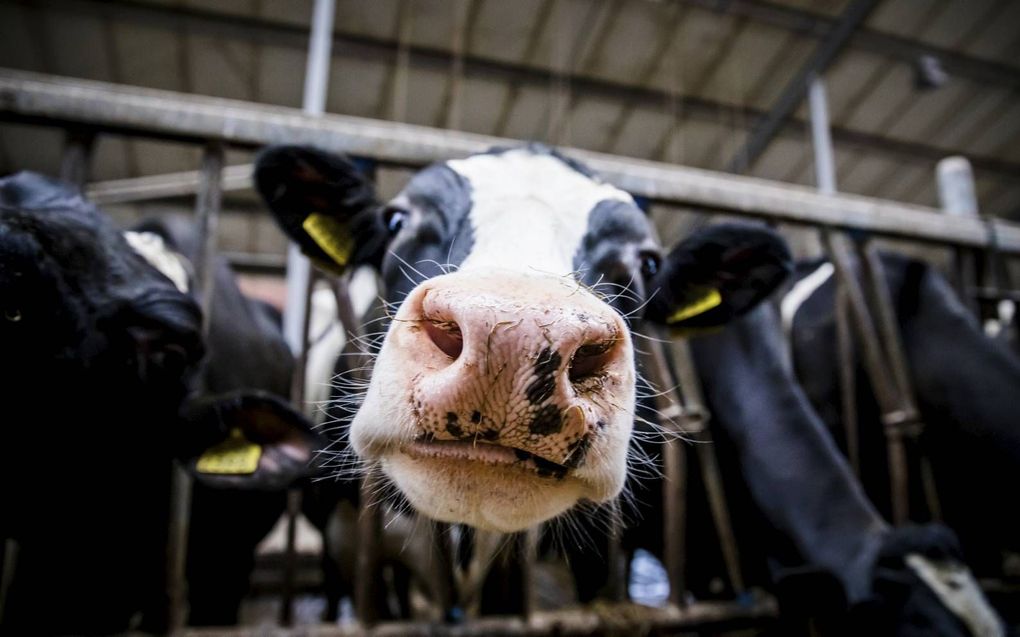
point(152, 248)
point(956, 588)
point(529, 211)
point(801, 292)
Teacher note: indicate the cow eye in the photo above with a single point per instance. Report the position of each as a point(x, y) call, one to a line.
point(12, 314)
point(650, 264)
point(395, 219)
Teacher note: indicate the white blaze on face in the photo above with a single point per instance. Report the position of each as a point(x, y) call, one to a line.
point(528, 210)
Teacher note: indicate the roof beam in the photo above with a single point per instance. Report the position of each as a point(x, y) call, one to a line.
point(818, 26)
point(792, 95)
point(516, 75)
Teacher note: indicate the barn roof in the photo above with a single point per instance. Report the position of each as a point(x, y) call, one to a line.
point(695, 82)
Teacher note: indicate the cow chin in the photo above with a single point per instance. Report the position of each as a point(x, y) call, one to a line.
point(491, 498)
point(479, 484)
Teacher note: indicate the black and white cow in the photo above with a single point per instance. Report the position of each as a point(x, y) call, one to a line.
point(504, 393)
point(106, 376)
point(965, 384)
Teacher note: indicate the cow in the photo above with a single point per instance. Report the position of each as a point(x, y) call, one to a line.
point(109, 373)
point(504, 391)
point(804, 526)
point(964, 384)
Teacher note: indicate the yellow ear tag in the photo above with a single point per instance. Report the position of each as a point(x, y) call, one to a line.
point(331, 235)
point(709, 300)
point(234, 456)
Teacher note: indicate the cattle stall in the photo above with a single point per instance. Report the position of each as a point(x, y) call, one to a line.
point(850, 227)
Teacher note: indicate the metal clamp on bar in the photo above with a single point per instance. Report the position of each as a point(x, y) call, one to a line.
point(905, 423)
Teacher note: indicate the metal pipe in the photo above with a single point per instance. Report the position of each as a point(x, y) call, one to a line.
point(206, 221)
point(697, 412)
point(8, 564)
point(821, 137)
point(150, 187)
point(616, 557)
point(957, 194)
point(674, 469)
point(165, 114)
point(707, 616)
point(314, 104)
point(958, 198)
point(847, 380)
point(74, 164)
point(207, 208)
point(369, 532)
point(299, 272)
point(294, 496)
point(894, 417)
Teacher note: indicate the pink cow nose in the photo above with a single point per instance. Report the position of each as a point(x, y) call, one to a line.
point(522, 361)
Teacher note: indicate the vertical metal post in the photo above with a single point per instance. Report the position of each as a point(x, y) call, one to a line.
point(847, 379)
point(7, 566)
point(958, 198)
point(314, 103)
point(674, 469)
point(616, 557)
point(299, 270)
point(957, 194)
point(297, 395)
point(369, 531)
point(697, 418)
point(887, 394)
point(821, 137)
point(528, 546)
point(207, 212)
point(207, 208)
point(74, 164)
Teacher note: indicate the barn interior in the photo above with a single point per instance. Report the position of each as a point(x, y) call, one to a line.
point(773, 105)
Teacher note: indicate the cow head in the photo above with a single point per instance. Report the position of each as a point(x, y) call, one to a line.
point(76, 298)
point(504, 390)
point(102, 351)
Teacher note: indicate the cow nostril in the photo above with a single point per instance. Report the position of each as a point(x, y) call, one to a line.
point(590, 358)
point(446, 335)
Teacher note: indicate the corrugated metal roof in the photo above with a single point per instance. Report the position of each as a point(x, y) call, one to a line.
point(675, 80)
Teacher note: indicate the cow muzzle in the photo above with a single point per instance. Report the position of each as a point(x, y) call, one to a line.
point(500, 399)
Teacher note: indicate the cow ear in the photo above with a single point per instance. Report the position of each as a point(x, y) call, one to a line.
point(247, 440)
point(323, 202)
point(717, 274)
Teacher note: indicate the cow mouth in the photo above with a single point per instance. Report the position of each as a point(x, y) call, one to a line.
point(484, 453)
